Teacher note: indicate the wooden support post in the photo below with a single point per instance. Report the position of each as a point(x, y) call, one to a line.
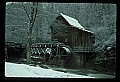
point(6, 54)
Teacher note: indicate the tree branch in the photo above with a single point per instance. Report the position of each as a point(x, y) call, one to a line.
point(26, 11)
point(34, 14)
point(9, 6)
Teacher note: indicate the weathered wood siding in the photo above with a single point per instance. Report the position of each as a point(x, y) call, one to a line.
point(81, 39)
point(71, 36)
point(60, 30)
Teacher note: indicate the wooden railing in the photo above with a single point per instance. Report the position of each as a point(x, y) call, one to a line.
point(47, 44)
point(83, 49)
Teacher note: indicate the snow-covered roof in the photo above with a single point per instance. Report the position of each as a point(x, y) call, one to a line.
point(73, 22)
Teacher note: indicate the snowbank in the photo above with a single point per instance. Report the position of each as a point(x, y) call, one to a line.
point(22, 70)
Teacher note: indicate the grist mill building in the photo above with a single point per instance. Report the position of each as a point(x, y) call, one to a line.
point(67, 30)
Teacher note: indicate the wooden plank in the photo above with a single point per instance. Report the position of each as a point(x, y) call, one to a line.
point(83, 49)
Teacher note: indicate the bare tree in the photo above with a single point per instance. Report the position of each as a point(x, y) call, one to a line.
point(32, 17)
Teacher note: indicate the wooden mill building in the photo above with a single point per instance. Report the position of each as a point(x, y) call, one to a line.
point(67, 30)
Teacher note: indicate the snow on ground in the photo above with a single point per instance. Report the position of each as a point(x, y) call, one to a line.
point(22, 70)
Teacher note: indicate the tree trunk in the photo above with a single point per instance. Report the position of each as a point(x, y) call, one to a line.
point(31, 23)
